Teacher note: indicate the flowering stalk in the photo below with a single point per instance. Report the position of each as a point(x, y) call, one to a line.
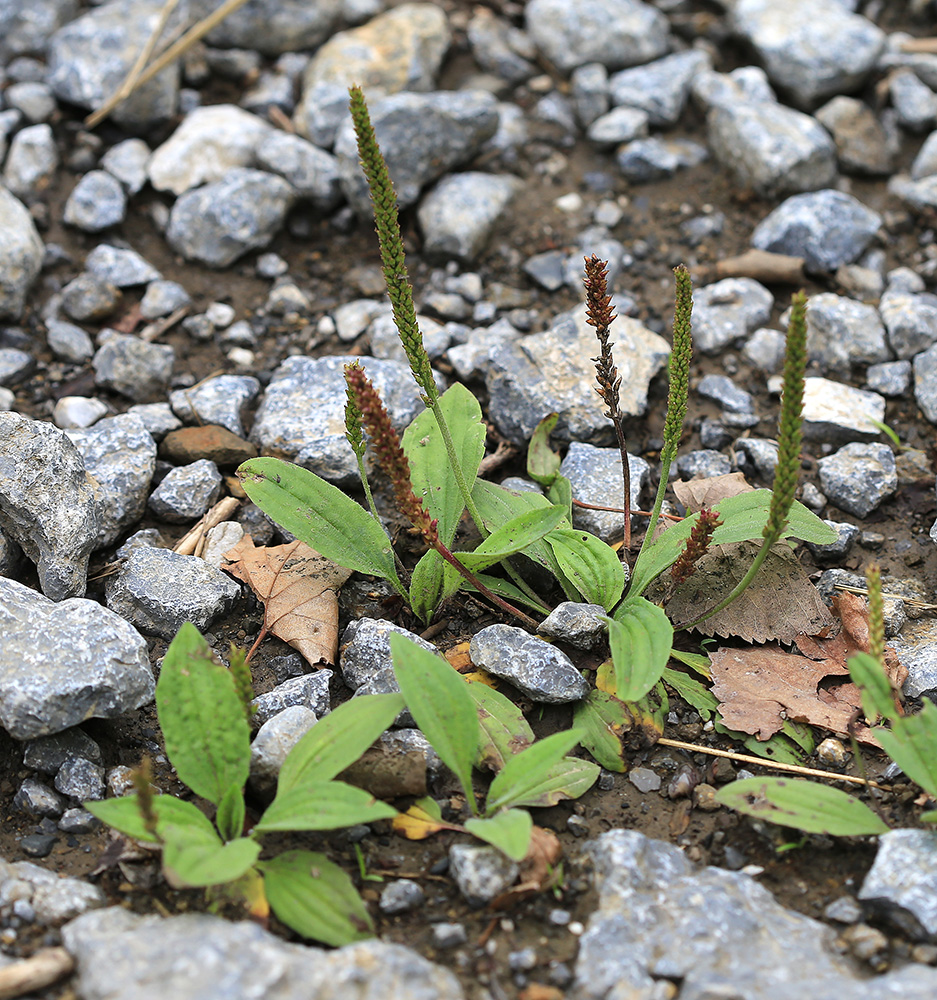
point(600, 314)
point(243, 681)
point(696, 546)
point(142, 778)
point(356, 439)
point(873, 584)
point(384, 440)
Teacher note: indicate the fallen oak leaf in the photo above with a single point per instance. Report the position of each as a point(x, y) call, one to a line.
point(299, 591)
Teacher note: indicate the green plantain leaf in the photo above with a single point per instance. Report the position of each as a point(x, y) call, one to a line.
point(912, 745)
point(778, 747)
point(439, 702)
point(338, 740)
point(504, 730)
point(426, 584)
point(640, 637)
point(698, 662)
point(566, 779)
point(206, 733)
point(321, 515)
point(504, 588)
point(322, 805)
point(603, 719)
point(193, 858)
point(430, 471)
point(543, 463)
point(231, 811)
point(124, 814)
point(590, 564)
point(315, 898)
point(804, 805)
point(869, 676)
point(523, 774)
point(509, 831)
point(691, 691)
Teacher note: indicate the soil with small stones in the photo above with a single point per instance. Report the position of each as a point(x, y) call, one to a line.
point(804, 874)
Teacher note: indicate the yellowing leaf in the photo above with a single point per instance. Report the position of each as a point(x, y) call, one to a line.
point(418, 824)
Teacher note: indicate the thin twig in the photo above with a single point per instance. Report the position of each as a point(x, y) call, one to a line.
point(158, 327)
point(34, 973)
point(190, 542)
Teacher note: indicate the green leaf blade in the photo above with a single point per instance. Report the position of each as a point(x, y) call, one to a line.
point(590, 565)
point(509, 831)
point(640, 638)
point(504, 730)
point(603, 719)
point(123, 814)
point(324, 805)
point(523, 773)
point(192, 859)
point(912, 745)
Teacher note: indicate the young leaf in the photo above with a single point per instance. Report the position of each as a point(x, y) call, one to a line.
point(426, 584)
point(640, 638)
point(441, 706)
point(230, 816)
point(603, 719)
point(321, 515)
point(695, 661)
point(338, 740)
point(322, 805)
point(566, 779)
point(123, 814)
point(691, 691)
point(525, 772)
point(504, 730)
point(778, 747)
point(560, 492)
point(543, 463)
point(590, 565)
point(193, 859)
point(315, 898)
point(507, 590)
point(430, 473)
point(804, 805)
point(509, 831)
point(877, 696)
point(207, 736)
point(912, 745)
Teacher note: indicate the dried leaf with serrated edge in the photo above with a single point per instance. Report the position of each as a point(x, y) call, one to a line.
point(699, 493)
point(299, 591)
point(756, 685)
point(780, 604)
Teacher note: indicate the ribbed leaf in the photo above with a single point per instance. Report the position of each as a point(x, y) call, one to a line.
point(193, 859)
point(912, 745)
point(124, 814)
point(640, 638)
point(323, 805)
point(504, 730)
point(509, 831)
point(590, 564)
point(523, 774)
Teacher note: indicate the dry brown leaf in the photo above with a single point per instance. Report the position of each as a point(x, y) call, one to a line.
point(780, 604)
point(696, 494)
point(458, 656)
point(538, 869)
point(299, 590)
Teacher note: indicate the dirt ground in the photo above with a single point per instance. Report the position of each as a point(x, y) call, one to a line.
point(805, 874)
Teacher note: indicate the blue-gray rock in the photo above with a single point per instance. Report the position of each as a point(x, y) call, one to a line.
point(15, 365)
point(124, 956)
point(449, 935)
point(746, 83)
point(914, 102)
point(157, 418)
point(34, 100)
point(311, 691)
point(120, 454)
point(272, 90)
point(63, 663)
point(97, 202)
point(644, 779)
point(186, 492)
point(535, 667)
point(808, 64)
point(836, 413)
point(21, 252)
point(500, 48)
point(385, 340)
point(552, 372)
point(470, 359)
point(762, 453)
point(222, 400)
point(158, 590)
point(422, 137)
point(220, 222)
point(162, 298)
point(659, 88)
point(618, 125)
point(69, 342)
point(31, 162)
point(713, 434)
point(25, 30)
point(48, 503)
point(36, 799)
point(727, 311)
point(925, 382)
point(302, 414)
point(52, 898)
point(911, 321)
point(312, 172)
point(704, 464)
point(48, 753)
point(274, 741)
point(580, 625)
point(595, 476)
point(616, 33)
point(892, 378)
point(127, 162)
point(842, 332)
point(771, 149)
point(134, 368)
point(827, 228)
point(86, 298)
point(919, 195)
point(481, 872)
point(858, 477)
point(90, 57)
point(862, 143)
point(726, 393)
point(119, 266)
point(81, 779)
point(713, 931)
point(901, 885)
point(366, 663)
point(835, 551)
point(548, 269)
point(321, 112)
point(401, 896)
point(653, 159)
point(457, 215)
point(925, 163)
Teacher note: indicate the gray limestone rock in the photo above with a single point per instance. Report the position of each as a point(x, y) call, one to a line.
point(500, 48)
point(422, 137)
point(727, 311)
point(836, 413)
point(365, 655)
point(120, 266)
point(69, 342)
point(535, 667)
point(811, 65)
point(157, 590)
point(901, 885)
point(311, 691)
point(36, 799)
point(595, 476)
point(615, 33)
point(48, 503)
point(925, 163)
point(762, 453)
point(133, 367)
point(858, 477)
point(771, 149)
point(722, 390)
point(90, 57)
point(618, 125)
point(862, 144)
point(26, 29)
point(273, 743)
point(716, 932)
point(827, 228)
point(659, 88)
point(401, 896)
point(97, 202)
point(580, 625)
point(186, 492)
point(47, 754)
point(654, 158)
point(31, 162)
point(552, 372)
point(53, 899)
point(121, 455)
point(127, 162)
point(302, 413)
point(911, 322)
point(838, 550)
point(481, 872)
point(80, 779)
point(916, 647)
point(914, 102)
point(703, 463)
point(917, 194)
point(123, 956)
point(87, 298)
point(63, 663)
point(925, 382)
point(893, 378)
point(21, 252)
point(217, 223)
point(842, 332)
point(14, 365)
point(457, 216)
point(311, 171)
point(222, 400)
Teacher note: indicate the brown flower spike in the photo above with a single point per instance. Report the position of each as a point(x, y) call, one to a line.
point(696, 545)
